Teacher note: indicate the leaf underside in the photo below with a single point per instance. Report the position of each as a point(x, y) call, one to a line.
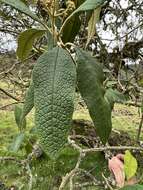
point(26, 40)
point(90, 83)
point(54, 78)
point(95, 16)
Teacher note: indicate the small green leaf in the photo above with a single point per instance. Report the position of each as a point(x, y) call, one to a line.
point(130, 165)
point(114, 96)
point(17, 114)
point(89, 5)
point(133, 187)
point(29, 101)
point(92, 23)
point(26, 40)
point(71, 29)
point(15, 146)
point(79, 2)
point(20, 6)
point(90, 83)
point(86, 6)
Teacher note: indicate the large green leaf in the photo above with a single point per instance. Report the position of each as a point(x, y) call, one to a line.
point(90, 83)
point(29, 101)
point(18, 114)
point(20, 6)
point(26, 40)
point(133, 187)
point(130, 165)
point(54, 78)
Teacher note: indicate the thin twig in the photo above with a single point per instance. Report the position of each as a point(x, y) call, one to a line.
point(104, 148)
point(72, 173)
point(94, 180)
point(16, 63)
point(9, 31)
point(71, 183)
point(112, 148)
point(125, 34)
point(8, 94)
point(86, 184)
point(140, 127)
point(107, 183)
point(11, 104)
point(30, 176)
point(13, 159)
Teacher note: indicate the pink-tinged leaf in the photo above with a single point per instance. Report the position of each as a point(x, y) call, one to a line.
point(117, 167)
point(120, 156)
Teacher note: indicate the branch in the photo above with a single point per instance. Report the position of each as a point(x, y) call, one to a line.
point(3, 107)
point(16, 63)
point(131, 31)
point(9, 31)
point(100, 149)
point(121, 37)
point(9, 159)
point(72, 173)
point(106, 181)
point(10, 95)
point(112, 148)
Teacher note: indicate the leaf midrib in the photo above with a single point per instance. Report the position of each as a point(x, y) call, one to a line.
point(53, 85)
